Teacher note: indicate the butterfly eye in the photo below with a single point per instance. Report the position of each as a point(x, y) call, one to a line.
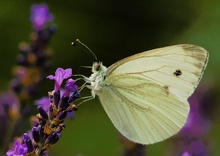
point(97, 67)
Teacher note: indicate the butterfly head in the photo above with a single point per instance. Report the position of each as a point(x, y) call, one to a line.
point(97, 78)
point(98, 67)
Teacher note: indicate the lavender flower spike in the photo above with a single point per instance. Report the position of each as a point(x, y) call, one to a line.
point(19, 150)
point(60, 75)
point(40, 16)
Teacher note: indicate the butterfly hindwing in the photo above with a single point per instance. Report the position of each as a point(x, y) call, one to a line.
point(141, 110)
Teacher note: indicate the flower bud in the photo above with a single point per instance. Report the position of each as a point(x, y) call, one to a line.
point(62, 115)
point(27, 140)
point(36, 134)
point(64, 102)
point(53, 138)
point(42, 112)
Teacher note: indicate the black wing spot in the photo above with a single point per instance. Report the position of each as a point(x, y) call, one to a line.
point(177, 73)
point(166, 87)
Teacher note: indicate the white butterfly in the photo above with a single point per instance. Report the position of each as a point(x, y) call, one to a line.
point(145, 95)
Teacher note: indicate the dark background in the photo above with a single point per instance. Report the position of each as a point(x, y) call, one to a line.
point(112, 30)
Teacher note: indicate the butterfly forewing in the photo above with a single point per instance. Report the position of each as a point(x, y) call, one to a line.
point(179, 67)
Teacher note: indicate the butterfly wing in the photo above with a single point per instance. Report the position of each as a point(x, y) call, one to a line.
point(143, 111)
point(146, 94)
point(179, 68)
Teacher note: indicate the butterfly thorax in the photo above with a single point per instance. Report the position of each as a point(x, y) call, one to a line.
point(96, 80)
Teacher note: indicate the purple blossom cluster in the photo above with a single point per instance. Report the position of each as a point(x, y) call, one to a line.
point(192, 140)
point(48, 124)
point(52, 112)
point(33, 62)
point(19, 149)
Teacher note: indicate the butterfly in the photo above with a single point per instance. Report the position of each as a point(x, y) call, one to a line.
point(145, 95)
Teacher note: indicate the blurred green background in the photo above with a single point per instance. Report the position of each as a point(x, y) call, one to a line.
point(112, 30)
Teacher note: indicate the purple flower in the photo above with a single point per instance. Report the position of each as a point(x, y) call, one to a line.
point(19, 150)
point(71, 97)
point(28, 141)
point(53, 138)
point(44, 102)
point(36, 133)
point(42, 112)
point(196, 124)
point(196, 147)
point(70, 86)
point(185, 154)
point(190, 140)
point(40, 16)
point(60, 75)
point(9, 105)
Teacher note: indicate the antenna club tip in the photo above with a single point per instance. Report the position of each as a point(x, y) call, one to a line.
point(76, 42)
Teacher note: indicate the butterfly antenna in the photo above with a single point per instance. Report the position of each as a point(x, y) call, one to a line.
point(84, 47)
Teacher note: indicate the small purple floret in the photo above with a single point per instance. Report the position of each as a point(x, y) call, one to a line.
point(60, 75)
point(40, 16)
point(28, 141)
point(71, 85)
point(44, 102)
point(19, 150)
